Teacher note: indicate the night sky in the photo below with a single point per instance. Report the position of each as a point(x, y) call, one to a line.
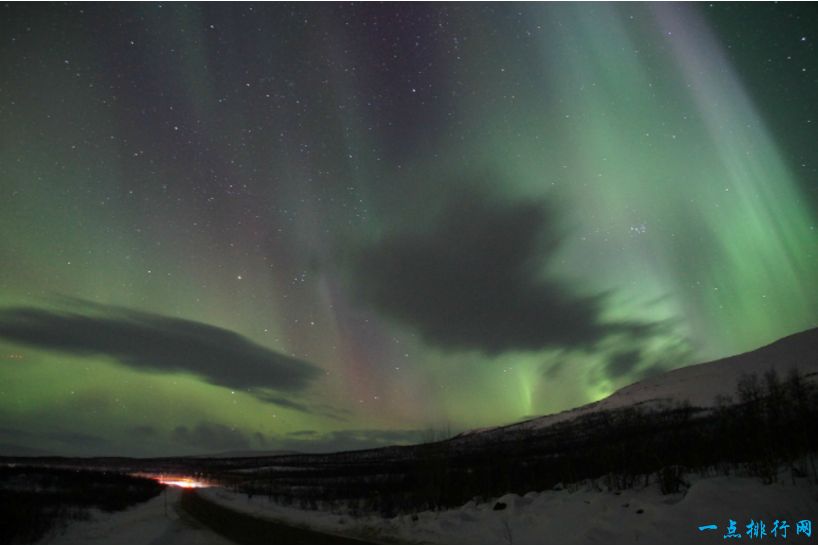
point(332, 226)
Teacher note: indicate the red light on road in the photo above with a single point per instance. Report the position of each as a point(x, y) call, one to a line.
point(177, 481)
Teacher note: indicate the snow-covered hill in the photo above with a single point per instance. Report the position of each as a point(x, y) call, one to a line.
point(699, 384)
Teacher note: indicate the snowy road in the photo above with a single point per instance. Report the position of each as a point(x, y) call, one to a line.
point(180, 516)
point(244, 528)
point(158, 521)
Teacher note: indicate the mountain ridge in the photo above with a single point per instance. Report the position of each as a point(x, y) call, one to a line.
point(698, 384)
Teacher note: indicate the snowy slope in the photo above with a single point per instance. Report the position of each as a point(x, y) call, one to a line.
point(699, 384)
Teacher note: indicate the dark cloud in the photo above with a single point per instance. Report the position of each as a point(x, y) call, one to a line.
point(622, 364)
point(18, 441)
point(674, 357)
point(652, 370)
point(216, 437)
point(552, 371)
point(349, 440)
point(14, 450)
point(312, 409)
point(158, 343)
point(92, 400)
point(302, 433)
point(260, 439)
point(284, 403)
point(143, 430)
point(636, 364)
point(211, 436)
point(13, 432)
point(472, 278)
point(75, 439)
point(676, 353)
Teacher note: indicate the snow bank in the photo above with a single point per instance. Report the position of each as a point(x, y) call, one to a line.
point(575, 515)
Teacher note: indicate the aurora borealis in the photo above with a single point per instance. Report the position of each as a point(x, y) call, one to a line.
point(246, 226)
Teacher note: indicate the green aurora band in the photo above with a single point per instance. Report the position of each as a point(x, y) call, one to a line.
point(676, 200)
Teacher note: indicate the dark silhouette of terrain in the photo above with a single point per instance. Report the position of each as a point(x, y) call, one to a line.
point(35, 500)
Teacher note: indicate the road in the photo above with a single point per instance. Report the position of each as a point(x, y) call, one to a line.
point(246, 529)
point(157, 521)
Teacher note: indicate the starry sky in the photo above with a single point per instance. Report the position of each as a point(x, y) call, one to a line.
point(231, 227)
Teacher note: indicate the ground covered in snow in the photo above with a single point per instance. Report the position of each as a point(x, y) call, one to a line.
point(157, 521)
point(583, 514)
